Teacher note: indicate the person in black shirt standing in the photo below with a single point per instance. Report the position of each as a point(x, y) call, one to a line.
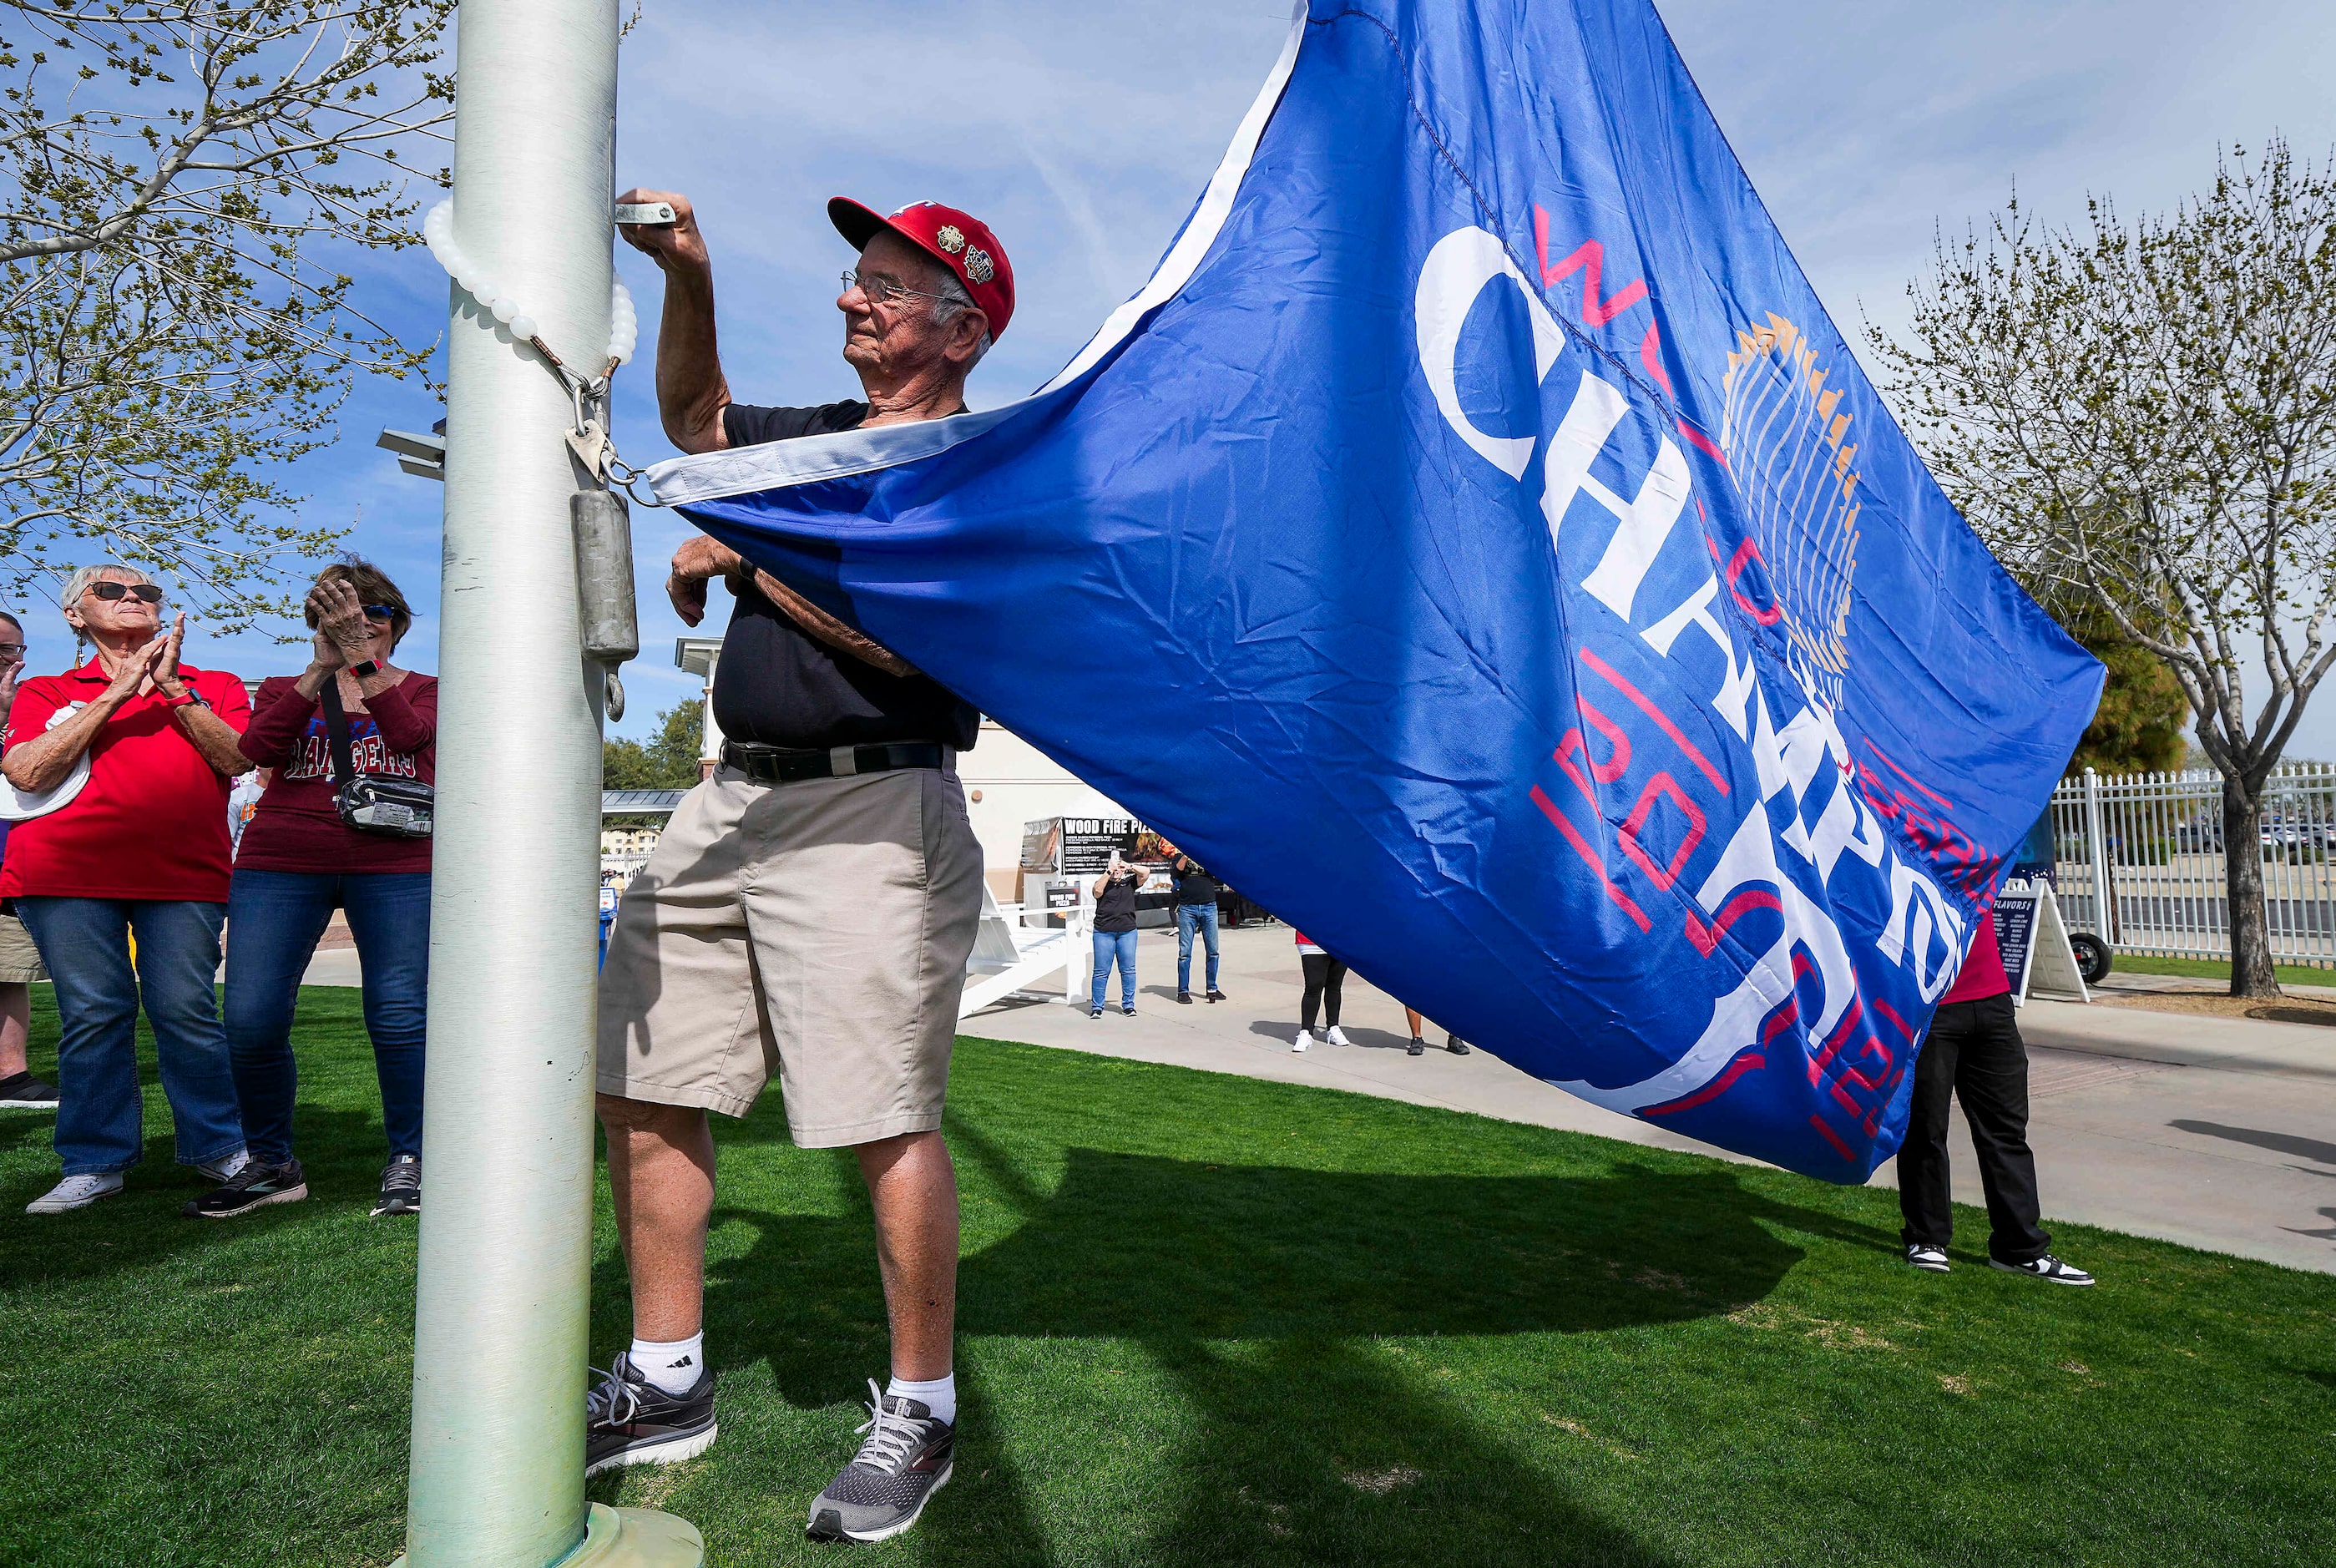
point(1196, 909)
point(1114, 935)
point(812, 905)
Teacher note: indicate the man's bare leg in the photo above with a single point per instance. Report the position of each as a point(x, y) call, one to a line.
point(912, 1187)
point(661, 1172)
point(15, 1026)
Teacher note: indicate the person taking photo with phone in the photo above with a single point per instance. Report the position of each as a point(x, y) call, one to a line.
point(1114, 934)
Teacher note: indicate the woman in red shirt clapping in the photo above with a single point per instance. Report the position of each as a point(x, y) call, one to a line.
point(122, 769)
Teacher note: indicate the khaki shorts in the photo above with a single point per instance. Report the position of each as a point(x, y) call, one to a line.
point(19, 960)
point(817, 929)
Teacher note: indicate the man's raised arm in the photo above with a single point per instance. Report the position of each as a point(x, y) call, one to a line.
point(690, 387)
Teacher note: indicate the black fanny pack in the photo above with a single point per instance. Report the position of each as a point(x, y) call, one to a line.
point(393, 807)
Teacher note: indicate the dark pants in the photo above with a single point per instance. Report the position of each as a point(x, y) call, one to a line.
point(1975, 1055)
point(85, 945)
point(1324, 976)
point(274, 919)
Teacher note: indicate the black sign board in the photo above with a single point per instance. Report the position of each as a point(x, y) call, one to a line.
point(2015, 934)
point(1089, 842)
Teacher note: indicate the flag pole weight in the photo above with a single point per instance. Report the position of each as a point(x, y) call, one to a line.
point(502, 1300)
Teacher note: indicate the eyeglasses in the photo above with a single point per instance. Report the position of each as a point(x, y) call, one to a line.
point(381, 612)
point(12, 650)
point(109, 590)
point(882, 290)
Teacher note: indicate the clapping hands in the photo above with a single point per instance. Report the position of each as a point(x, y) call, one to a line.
point(341, 623)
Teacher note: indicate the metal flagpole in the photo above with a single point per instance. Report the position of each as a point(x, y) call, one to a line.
point(500, 1318)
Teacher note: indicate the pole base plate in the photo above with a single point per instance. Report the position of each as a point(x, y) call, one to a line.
point(632, 1538)
point(637, 1538)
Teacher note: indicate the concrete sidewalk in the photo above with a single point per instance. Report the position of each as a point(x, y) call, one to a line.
point(2215, 1133)
point(2218, 1133)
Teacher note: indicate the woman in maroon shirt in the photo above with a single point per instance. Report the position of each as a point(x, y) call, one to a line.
point(299, 860)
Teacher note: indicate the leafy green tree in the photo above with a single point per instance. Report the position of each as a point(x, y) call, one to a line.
point(2140, 420)
point(669, 760)
point(179, 183)
point(2138, 726)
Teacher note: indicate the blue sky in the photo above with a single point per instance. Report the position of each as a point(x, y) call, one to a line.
point(1082, 133)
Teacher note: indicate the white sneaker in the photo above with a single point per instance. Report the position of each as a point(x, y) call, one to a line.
point(1334, 1036)
point(75, 1192)
point(1302, 1041)
point(223, 1171)
point(2046, 1267)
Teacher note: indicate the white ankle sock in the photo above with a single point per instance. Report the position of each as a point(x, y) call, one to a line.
point(675, 1368)
point(939, 1396)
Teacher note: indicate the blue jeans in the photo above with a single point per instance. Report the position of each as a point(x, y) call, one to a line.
point(274, 919)
point(85, 944)
point(1189, 919)
point(1121, 946)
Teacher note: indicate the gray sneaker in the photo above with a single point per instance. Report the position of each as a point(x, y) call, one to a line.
point(906, 1458)
point(400, 1186)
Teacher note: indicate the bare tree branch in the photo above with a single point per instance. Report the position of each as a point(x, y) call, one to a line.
point(175, 176)
point(2140, 420)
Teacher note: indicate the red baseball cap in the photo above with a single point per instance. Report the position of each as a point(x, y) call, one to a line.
point(957, 240)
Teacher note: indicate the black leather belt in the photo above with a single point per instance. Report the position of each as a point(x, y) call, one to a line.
point(779, 764)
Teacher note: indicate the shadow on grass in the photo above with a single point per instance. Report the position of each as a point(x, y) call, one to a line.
point(1256, 1290)
point(341, 1151)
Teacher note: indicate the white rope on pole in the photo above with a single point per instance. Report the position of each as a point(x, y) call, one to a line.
point(438, 233)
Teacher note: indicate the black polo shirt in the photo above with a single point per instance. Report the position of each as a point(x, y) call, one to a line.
point(1194, 887)
point(779, 685)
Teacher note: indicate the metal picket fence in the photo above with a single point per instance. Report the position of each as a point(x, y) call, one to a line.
point(2148, 849)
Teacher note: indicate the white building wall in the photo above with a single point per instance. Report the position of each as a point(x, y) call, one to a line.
point(1009, 782)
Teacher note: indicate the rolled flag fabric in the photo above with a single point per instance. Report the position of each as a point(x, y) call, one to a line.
point(1477, 545)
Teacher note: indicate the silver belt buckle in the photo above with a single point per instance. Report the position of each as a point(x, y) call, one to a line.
point(842, 762)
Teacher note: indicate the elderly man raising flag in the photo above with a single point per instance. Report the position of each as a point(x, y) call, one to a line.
point(811, 906)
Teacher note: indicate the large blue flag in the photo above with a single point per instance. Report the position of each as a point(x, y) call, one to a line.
point(1477, 544)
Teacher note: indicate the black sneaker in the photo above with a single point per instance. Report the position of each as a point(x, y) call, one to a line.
point(400, 1186)
point(905, 1460)
point(1186, 998)
point(1455, 1045)
point(629, 1420)
point(1127, 1010)
point(1216, 995)
point(24, 1092)
point(2046, 1267)
point(1094, 1012)
point(1418, 1047)
point(254, 1186)
point(1930, 1260)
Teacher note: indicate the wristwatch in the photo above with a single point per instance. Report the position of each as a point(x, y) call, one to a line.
point(371, 667)
point(191, 697)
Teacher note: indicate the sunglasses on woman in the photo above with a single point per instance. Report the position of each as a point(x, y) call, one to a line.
point(109, 590)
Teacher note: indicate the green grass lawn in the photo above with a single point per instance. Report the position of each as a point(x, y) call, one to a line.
point(1211, 1320)
point(2219, 969)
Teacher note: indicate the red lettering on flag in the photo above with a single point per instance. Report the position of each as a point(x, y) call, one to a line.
point(1590, 858)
